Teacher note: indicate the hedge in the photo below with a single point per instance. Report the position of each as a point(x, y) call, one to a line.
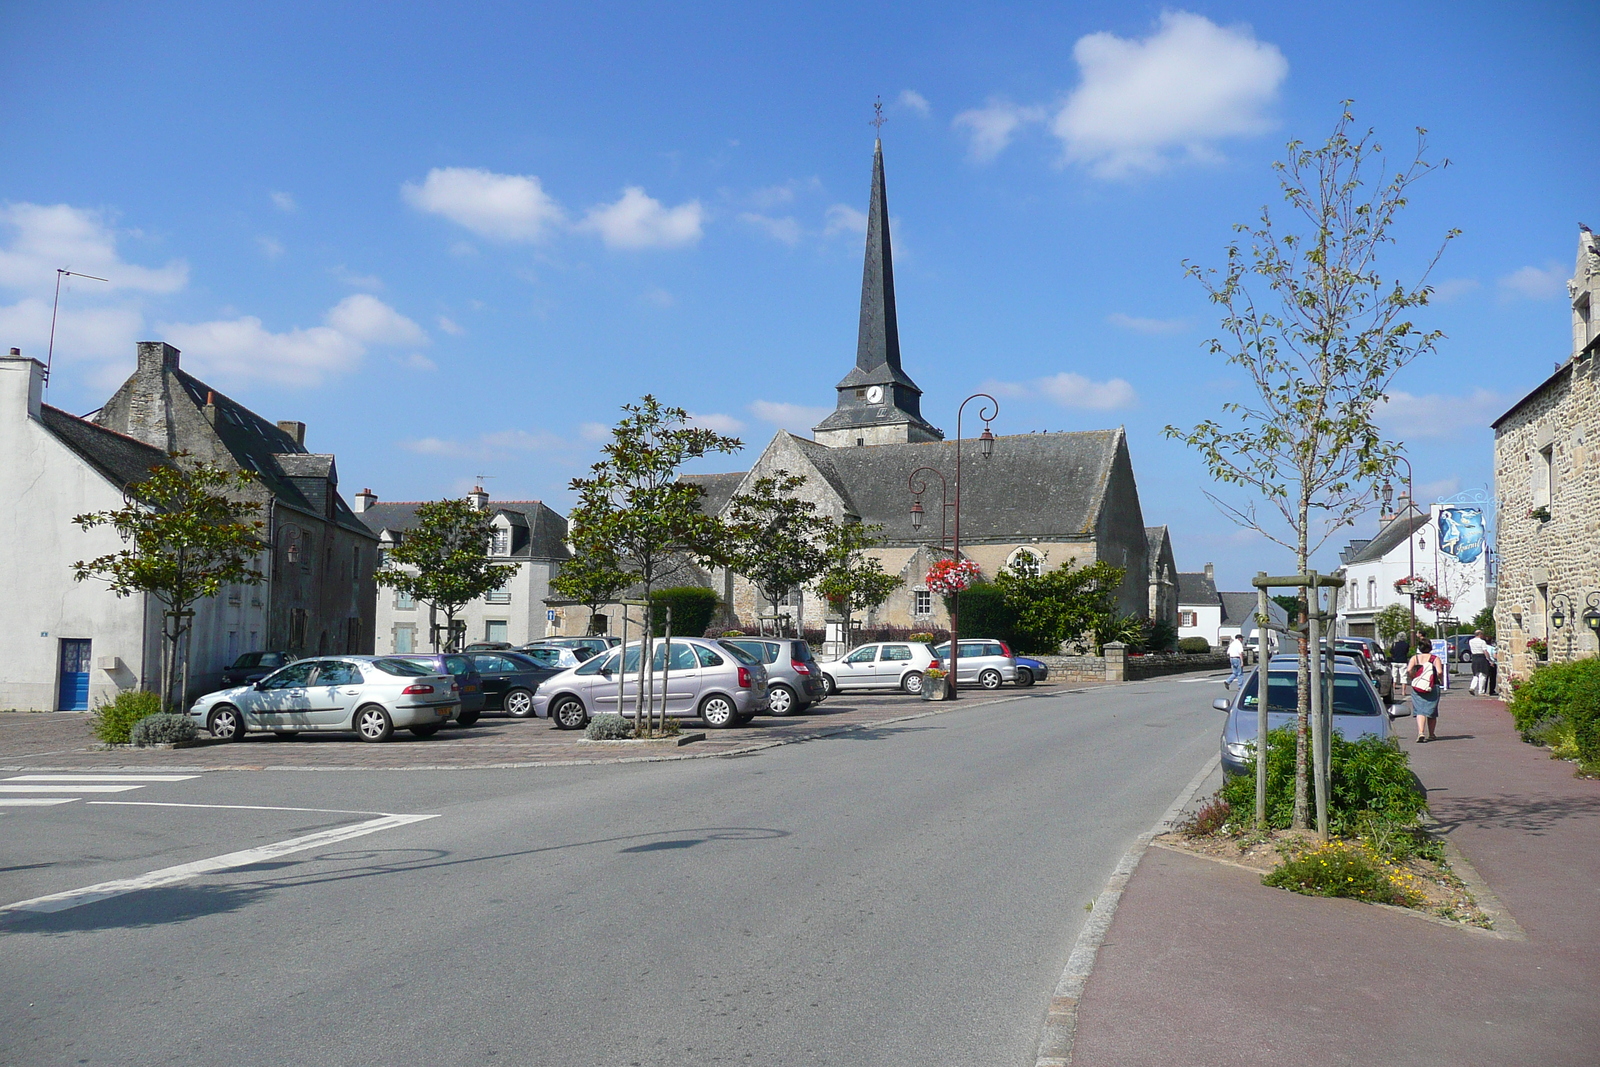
point(693, 608)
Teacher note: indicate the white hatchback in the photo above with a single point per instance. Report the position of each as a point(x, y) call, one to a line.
point(372, 695)
point(883, 665)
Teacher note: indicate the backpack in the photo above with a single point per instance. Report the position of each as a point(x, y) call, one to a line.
point(1425, 674)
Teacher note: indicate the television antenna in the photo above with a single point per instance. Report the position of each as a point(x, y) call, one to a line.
point(50, 355)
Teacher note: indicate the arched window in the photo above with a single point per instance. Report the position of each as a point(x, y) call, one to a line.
point(1372, 596)
point(1025, 562)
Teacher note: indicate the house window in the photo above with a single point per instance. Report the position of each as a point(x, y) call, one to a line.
point(1025, 563)
point(297, 628)
point(404, 601)
point(924, 605)
point(1187, 618)
point(405, 638)
point(497, 629)
point(501, 595)
point(500, 542)
point(1544, 476)
point(1372, 595)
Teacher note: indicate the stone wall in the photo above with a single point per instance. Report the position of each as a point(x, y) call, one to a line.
point(1133, 668)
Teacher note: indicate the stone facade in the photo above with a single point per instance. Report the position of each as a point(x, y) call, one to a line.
point(1547, 479)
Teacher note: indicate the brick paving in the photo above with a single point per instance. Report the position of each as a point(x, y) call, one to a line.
point(62, 741)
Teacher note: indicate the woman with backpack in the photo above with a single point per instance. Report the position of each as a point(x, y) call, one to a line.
point(1426, 675)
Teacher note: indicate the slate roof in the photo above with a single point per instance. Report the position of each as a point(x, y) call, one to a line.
point(719, 489)
point(1395, 533)
point(1195, 589)
point(120, 458)
point(537, 532)
point(1240, 608)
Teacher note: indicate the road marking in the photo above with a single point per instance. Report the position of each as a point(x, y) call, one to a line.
point(229, 807)
point(74, 788)
point(183, 872)
point(33, 802)
point(102, 778)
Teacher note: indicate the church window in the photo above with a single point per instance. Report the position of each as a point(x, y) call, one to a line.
point(1025, 563)
point(924, 602)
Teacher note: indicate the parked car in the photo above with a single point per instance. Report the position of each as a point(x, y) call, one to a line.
point(254, 666)
point(794, 681)
point(509, 681)
point(372, 695)
point(719, 682)
point(553, 656)
point(1357, 652)
point(583, 646)
point(882, 665)
point(1030, 670)
point(1357, 709)
point(1371, 644)
point(488, 646)
point(983, 661)
point(460, 667)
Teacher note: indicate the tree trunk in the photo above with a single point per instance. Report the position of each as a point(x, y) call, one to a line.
point(1302, 726)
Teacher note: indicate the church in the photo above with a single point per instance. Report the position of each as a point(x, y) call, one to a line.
point(1054, 497)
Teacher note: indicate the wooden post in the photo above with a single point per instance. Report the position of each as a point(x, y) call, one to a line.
point(1263, 661)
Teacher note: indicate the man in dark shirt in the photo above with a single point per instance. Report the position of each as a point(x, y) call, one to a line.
point(1399, 653)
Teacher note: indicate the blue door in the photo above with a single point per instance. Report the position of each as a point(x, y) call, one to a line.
point(74, 674)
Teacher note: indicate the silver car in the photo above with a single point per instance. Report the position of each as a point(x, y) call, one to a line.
point(794, 681)
point(372, 695)
point(983, 661)
point(721, 684)
point(884, 665)
point(1357, 708)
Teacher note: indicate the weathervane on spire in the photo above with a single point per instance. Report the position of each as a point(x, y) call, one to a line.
point(877, 119)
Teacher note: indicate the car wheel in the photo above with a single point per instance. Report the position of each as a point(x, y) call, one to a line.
point(911, 682)
point(569, 714)
point(781, 700)
point(373, 723)
point(1024, 677)
point(467, 718)
point(225, 723)
point(519, 703)
point(990, 679)
point(718, 712)
point(287, 735)
point(831, 686)
point(424, 731)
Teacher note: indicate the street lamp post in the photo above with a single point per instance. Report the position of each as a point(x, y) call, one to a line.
point(1411, 546)
point(1560, 611)
point(986, 412)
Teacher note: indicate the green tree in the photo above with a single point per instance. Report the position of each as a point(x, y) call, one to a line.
point(634, 502)
point(1484, 620)
point(851, 580)
point(187, 537)
point(1069, 605)
point(1392, 621)
point(1290, 606)
point(592, 577)
point(776, 539)
point(1320, 332)
point(444, 561)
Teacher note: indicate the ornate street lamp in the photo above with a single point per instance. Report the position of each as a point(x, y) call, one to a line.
point(1591, 616)
point(1558, 614)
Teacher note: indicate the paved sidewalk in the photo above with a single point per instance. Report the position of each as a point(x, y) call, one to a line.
point(1203, 965)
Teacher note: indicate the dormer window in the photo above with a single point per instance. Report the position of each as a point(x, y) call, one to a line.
point(500, 542)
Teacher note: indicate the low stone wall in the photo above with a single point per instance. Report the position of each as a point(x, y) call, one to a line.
point(1118, 667)
point(1075, 668)
point(1181, 663)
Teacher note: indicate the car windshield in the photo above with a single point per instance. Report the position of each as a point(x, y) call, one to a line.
point(249, 659)
point(1350, 694)
point(740, 654)
point(401, 668)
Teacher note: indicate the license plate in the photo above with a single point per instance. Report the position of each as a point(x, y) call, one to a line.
point(444, 713)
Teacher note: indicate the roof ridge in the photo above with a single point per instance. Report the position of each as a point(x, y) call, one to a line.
point(103, 429)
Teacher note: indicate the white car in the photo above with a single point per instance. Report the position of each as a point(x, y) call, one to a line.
point(372, 695)
point(884, 665)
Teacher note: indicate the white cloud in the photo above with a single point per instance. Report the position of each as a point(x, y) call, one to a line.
point(45, 237)
point(284, 202)
point(796, 418)
point(912, 100)
point(451, 326)
point(1535, 284)
point(503, 207)
point(1407, 416)
point(356, 281)
point(366, 318)
point(990, 128)
point(270, 247)
point(418, 361)
point(842, 218)
point(719, 423)
point(1071, 391)
point(243, 349)
point(775, 195)
point(595, 432)
point(785, 229)
point(659, 297)
point(640, 221)
point(1142, 103)
point(497, 445)
point(1451, 288)
point(1150, 326)
point(82, 333)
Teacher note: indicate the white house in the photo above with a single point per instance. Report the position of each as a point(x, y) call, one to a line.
point(526, 533)
point(72, 645)
point(1217, 616)
point(1408, 543)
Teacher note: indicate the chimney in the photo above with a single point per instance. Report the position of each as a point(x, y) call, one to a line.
point(156, 355)
point(295, 430)
point(22, 382)
point(1211, 574)
point(364, 500)
point(479, 498)
point(211, 407)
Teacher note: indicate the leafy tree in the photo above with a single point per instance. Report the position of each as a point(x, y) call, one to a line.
point(592, 577)
point(1321, 333)
point(1290, 606)
point(1484, 620)
point(634, 502)
point(444, 561)
point(1068, 605)
point(775, 538)
point(851, 580)
point(1392, 621)
point(187, 539)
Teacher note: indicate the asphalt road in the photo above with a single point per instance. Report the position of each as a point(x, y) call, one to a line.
point(898, 895)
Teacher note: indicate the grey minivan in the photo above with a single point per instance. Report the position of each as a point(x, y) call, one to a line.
point(1358, 711)
point(720, 683)
point(794, 681)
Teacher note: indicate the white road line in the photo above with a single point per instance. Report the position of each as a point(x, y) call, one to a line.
point(101, 778)
point(34, 802)
point(75, 898)
point(76, 787)
point(229, 807)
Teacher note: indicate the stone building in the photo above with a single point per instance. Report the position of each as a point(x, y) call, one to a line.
point(1547, 479)
point(319, 595)
point(1163, 575)
point(525, 533)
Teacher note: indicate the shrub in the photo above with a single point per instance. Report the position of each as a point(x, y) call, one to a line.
point(1212, 817)
point(112, 722)
point(163, 729)
point(1550, 690)
point(985, 613)
point(1338, 869)
point(608, 728)
point(1161, 637)
point(692, 610)
point(1370, 777)
point(1194, 645)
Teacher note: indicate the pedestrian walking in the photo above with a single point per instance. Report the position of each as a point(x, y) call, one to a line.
point(1494, 669)
point(1478, 649)
point(1236, 660)
point(1426, 675)
point(1399, 652)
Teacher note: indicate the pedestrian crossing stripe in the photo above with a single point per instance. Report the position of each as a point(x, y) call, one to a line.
point(33, 802)
point(75, 785)
point(100, 778)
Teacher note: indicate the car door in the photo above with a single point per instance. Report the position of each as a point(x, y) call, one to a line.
point(334, 693)
point(681, 681)
point(612, 681)
point(496, 673)
point(893, 661)
point(282, 702)
point(858, 670)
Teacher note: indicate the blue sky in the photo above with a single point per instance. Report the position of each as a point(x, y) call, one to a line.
point(453, 241)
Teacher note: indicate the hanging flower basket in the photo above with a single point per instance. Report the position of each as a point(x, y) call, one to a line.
point(1426, 594)
point(948, 577)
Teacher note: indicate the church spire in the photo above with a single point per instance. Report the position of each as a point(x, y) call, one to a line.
point(878, 338)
